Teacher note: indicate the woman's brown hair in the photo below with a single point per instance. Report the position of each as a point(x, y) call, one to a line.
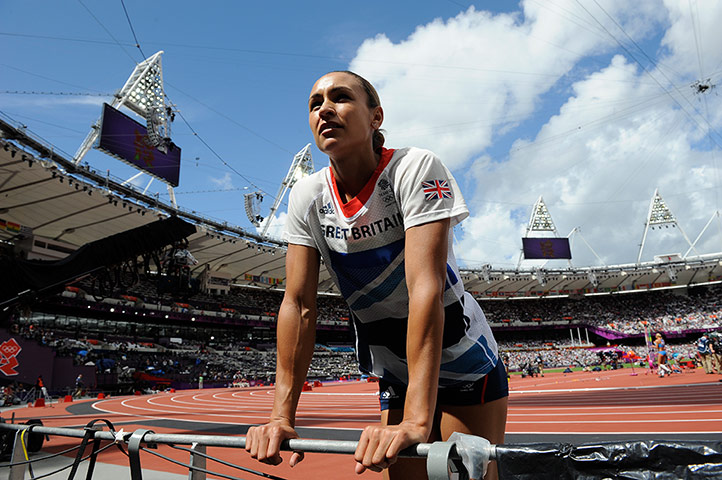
point(373, 101)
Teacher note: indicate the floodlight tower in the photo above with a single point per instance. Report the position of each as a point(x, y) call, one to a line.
point(540, 221)
point(660, 214)
point(302, 166)
point(143, 94)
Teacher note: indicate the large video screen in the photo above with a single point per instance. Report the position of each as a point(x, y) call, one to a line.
point(546, 248)
point(127, 140)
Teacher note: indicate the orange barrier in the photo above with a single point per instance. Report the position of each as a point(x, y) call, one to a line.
point(40, 402)
point(101, 396)
point(68, 399)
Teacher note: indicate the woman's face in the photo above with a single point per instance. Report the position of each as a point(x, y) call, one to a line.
point(339, 116)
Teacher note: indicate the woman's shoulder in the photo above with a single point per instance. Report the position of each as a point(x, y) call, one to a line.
point(412, 153)
point(311, 184)
point(410, 159)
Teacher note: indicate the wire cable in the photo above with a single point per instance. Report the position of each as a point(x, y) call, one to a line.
point(648, 72)
point(198, 469)
point(47, 457)
point(67, 466)
point(107, 31)
point(45, 78)
point(130, 24)
point(137, 44)
point(78, 94)
point(215, 190)
point(219, 157)
point(223, 462)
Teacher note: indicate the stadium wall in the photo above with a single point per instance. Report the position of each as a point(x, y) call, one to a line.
point(23, 360)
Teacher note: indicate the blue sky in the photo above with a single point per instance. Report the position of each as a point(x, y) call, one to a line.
point(587, 103)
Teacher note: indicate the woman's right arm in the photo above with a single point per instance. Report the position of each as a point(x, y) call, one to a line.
point(295, 337)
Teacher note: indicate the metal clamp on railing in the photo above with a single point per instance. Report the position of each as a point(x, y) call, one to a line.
point(136, 472)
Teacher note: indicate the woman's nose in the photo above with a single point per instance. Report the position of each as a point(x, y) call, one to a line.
point(326, 109)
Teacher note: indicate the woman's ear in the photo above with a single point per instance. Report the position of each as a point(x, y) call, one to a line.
point(377, 118)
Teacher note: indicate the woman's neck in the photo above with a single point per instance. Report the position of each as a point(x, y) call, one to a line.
point(352, 174)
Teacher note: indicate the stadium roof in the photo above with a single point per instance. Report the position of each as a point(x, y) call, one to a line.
point(48, 195)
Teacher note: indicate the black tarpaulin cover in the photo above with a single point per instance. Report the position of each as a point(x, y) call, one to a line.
point(46, 276)
point(633, 460)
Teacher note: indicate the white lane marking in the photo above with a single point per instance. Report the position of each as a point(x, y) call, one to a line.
point(569, 414)
point(631, 432)
point(614, 407)
point(597, 389)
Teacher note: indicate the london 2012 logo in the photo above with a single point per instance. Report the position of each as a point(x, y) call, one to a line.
point(8, 351)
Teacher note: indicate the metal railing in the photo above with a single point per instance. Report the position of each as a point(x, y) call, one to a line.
point(442, 460)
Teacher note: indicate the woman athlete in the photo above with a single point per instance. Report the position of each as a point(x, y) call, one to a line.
point(661, 354)
point(380, 220)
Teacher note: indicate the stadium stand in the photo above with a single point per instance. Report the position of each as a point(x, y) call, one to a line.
point(204, 306)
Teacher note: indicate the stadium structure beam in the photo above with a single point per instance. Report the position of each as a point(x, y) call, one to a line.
point(44, 150)
point(715, 214)
point(578, 231)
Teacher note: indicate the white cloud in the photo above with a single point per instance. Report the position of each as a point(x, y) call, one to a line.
point(42, 101)
point(277, 225)
point(618, 132)
point(225, 182)
point(452, 85)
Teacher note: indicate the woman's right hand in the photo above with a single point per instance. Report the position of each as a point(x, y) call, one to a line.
point(264, 442)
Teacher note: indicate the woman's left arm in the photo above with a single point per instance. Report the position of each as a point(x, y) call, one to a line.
point(426, 251)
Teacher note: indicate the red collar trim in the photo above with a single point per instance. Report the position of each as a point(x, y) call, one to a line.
point(354, 205)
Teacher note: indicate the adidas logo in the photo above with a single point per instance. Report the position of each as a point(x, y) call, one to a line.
point(389, 393)
point(327, 209)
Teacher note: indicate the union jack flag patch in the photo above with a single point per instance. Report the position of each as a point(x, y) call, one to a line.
point(436, 189)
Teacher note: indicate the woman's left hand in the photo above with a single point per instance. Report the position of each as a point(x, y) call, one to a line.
point(380, 445)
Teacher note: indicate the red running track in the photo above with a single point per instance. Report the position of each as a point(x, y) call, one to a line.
point(610, 402)
point(605, 402)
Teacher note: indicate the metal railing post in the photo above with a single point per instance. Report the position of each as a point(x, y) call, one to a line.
point(17, 472)
point(197, 461)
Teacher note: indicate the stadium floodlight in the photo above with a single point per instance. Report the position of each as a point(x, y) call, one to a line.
point(671, 273)
point(592, 277)
point(541, 219)
point(143, 94)
point(301, 166)
point(543, 247)
point(660, 214)
point(485, 272)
